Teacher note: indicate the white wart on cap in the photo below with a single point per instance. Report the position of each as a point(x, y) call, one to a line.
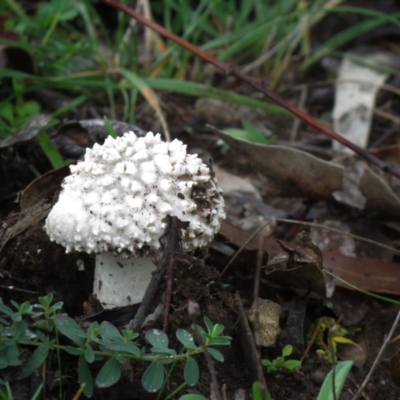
point(117, 201)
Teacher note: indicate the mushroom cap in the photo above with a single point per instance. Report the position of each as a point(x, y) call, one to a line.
point(118, 198)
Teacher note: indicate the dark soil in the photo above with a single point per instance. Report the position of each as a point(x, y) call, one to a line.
point(38, 266)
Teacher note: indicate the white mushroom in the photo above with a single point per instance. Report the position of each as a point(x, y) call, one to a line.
point(115, 204)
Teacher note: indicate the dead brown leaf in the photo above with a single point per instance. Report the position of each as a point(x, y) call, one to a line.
point(370, 274)
point(304, 267)
point(373, 275)
point(306, 276)
point(13, 57)
point(288, 172)
point(43, 187)
point(28, 131)
point(238, 236)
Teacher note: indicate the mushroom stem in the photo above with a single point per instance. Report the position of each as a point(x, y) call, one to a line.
point(121, 281)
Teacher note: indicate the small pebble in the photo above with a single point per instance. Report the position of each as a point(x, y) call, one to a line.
point(318, 376)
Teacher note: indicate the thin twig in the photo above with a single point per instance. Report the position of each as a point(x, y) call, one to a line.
point(311, 342)
point(256, 290)
point(243, 246)
point(357, 386)
point(15, 289)
point(193, 312)
point(384, 114)
point(378, 357)
point(151, 291)
point(257, 279)
point(246, 339)
point(256, 84)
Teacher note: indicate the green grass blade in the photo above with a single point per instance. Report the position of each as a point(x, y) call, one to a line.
point(342, 38)
point(3, 395)
point(201, 90)
point(110, 130)
point(50, 150)
point(375, 296)
point(391, 18)
point(9, 392)
point(37, 393)
point(342, 371)
point(372, 65)
point(70, 106)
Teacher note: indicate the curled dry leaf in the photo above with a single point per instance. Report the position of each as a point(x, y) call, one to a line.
point(27, 131)
point(306, 276)
point(43, 188)
point(288, 172)
point(304, 268)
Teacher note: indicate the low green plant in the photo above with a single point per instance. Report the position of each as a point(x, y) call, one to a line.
point(73, 50)
point(249, 132)
point(15, 110)
point(16, 114)
point(327, 334)
point(100, 342)
point(259, 393)
point(281, 362)
point(335, 381)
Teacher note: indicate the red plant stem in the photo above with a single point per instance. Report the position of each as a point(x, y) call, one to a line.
point(255, 83)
